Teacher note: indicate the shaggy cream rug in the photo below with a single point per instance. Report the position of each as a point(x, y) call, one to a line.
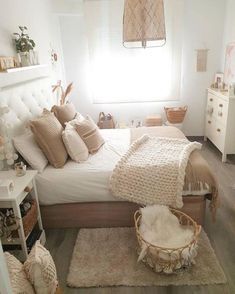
point(107, 257)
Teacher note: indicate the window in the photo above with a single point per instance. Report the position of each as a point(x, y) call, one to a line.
point(120, 75)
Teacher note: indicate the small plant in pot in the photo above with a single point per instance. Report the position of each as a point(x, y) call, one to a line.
point(24, 47)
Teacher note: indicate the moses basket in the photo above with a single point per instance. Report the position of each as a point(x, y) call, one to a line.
point(169, 260)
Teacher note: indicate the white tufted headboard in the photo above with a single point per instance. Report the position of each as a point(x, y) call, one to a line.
point(25, 101)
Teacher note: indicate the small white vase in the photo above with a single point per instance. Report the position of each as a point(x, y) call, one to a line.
point(25, 58)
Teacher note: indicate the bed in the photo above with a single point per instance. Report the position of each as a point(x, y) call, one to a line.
point(83, 189)
point(78, 195)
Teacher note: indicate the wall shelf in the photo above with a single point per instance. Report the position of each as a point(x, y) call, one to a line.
point(19, 75)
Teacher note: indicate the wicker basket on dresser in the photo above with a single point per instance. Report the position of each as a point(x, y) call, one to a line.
point(220, 121)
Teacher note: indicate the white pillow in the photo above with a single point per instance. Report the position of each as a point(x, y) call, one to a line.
point(74, 144)
point(40, 270)
point(28, 148)
point(19, 281)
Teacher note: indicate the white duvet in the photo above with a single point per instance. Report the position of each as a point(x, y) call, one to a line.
point(88, 181)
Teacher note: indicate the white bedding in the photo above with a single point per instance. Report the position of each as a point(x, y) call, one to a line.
point(88, 181)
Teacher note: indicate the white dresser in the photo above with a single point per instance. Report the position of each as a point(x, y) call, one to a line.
point(220, 121)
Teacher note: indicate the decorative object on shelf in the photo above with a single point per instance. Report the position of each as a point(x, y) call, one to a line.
point(6, 187)
point(229, 69)
point(54, 56)
point(144, 24)
point(202, 60)
point(106, 121)
point(8, 224)
point(153, 120)
point(20, 169)
point(61, 94)
point(24, 46)
point(175, 115)
point(7, 153)
point(232, 89)
point(7, 62)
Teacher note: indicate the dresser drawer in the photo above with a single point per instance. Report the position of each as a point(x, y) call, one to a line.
point(221, 111)
point(211, 104)
point(218, 136)
point(210, 125)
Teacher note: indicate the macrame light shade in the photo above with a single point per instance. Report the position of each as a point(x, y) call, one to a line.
point(144, 23)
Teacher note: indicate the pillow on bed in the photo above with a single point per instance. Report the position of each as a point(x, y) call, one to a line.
point(47, 131)
point(28, 148)
point(90, 134)
point(64, 113)
point(74, 144)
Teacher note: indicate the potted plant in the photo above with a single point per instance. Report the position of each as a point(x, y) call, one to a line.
point(24, 46)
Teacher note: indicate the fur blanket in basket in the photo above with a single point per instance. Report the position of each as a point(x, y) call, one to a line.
point(153, 171)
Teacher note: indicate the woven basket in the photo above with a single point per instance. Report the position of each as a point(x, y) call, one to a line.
point(168, 260)
point(175, 115)
point(29, 220)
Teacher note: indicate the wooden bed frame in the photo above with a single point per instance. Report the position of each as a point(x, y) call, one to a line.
point(108, 214)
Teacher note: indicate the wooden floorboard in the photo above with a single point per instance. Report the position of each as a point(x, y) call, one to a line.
point(60, 242)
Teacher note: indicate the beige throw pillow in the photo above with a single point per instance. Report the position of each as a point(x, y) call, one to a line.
point(47, 131)
point(74, 144)
point(40, 270)
point(64, 113)
point(18, 279)
point(90, 134)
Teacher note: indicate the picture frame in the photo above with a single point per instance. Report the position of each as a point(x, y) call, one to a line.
point(219, 80)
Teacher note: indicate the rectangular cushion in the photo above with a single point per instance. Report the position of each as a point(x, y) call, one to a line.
point(28, 148)
point(47, 131)
point(90, 134)
point(74, 144)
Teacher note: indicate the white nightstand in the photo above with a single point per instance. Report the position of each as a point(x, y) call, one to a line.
point(22, 187)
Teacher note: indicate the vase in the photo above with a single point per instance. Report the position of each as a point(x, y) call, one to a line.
point(25, 58)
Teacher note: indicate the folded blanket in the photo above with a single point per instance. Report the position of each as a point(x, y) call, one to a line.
point(198, 175)
point(153, 171)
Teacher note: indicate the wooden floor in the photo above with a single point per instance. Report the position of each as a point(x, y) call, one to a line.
point(222, 236)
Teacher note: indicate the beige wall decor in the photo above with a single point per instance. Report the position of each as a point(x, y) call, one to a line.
point(202, 60)
point(144, 23)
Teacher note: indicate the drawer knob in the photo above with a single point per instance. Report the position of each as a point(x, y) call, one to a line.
point(211, 99)
point(209, 122)
point(218, 130)
point(220, 113)
point(220, 105)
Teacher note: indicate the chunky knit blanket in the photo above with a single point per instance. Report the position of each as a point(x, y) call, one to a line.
point(153, 171)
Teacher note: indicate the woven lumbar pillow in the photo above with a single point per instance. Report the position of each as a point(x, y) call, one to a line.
point(40, 270)
point(90, 134)
point(74, 144)
point(47, 131)
point(18, 279)
point(64, 113)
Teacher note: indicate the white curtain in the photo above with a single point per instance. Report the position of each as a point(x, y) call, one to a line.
point(121, 75)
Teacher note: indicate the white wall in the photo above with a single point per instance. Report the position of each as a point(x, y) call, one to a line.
point(203, 28)
point(42, 25)
point(229, 28)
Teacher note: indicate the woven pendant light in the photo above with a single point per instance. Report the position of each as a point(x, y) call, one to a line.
point(144, 24)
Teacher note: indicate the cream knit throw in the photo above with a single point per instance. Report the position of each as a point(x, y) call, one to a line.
point(152, 171)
